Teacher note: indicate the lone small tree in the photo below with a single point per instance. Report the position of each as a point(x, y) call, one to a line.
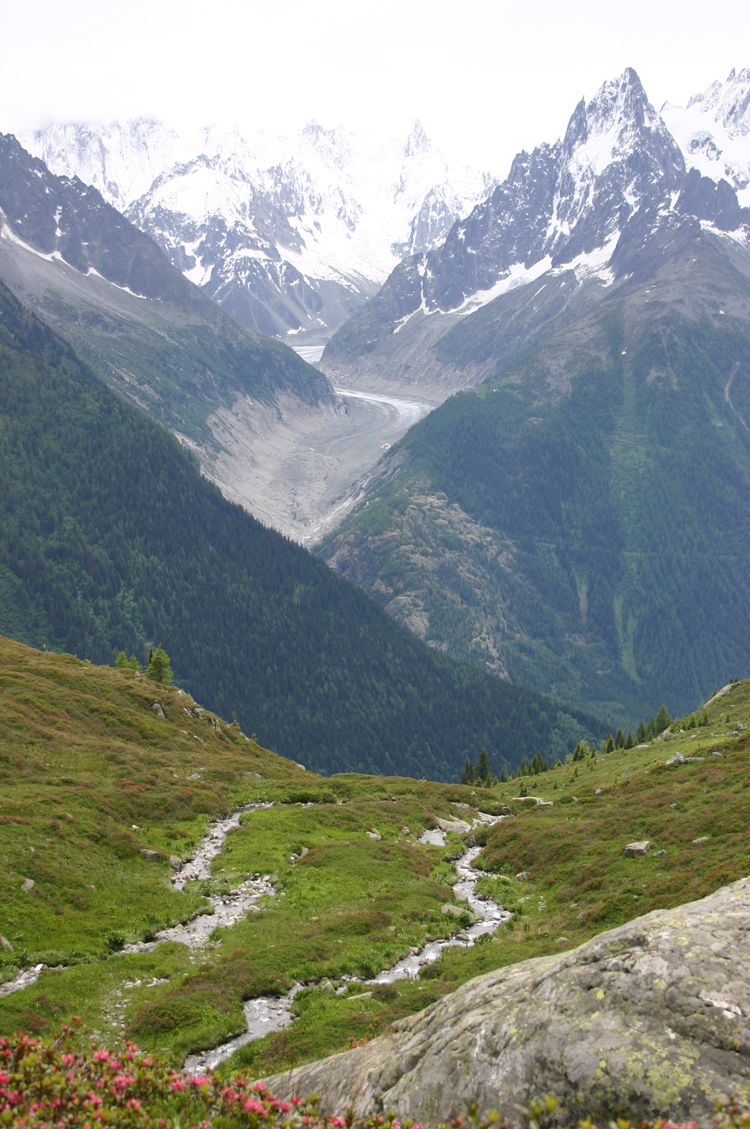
point(121, 661)
point(159, 666)
point(484, 772)
point(467, 776)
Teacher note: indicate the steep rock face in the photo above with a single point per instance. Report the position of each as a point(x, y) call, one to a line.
point(290, 235)
point(617, 155)
point(63, 217)
point(650, 1019)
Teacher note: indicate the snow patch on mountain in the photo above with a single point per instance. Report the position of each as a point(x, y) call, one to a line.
point(713, 131)
point(518, 275)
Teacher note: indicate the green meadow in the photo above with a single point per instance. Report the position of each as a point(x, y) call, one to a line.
point(90, 776)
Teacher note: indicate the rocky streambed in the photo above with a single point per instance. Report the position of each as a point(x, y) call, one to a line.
point(266, 1015)
point(227, 908)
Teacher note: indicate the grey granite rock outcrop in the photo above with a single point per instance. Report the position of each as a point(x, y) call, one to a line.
point(652, 1018)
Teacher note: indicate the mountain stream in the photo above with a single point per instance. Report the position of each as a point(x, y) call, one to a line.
point(267, 1014)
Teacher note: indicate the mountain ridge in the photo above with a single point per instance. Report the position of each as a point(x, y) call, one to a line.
point(609, 328)
point(561, 203)
point(288, 234)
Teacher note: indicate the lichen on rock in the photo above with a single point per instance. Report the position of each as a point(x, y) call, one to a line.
point(649, 1019)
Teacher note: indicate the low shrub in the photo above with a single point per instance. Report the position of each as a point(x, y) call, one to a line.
point(46, 1083)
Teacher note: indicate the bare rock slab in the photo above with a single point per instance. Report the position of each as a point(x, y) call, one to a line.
point(458, 825)
point(649, 1019)
point(637, 850)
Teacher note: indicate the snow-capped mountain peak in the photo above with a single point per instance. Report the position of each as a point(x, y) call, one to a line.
point(290, 234)
point(563, 208)
point(713, 131)
point(615, 151)
point(417, 141)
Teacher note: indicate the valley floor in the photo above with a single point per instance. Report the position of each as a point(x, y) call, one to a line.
point(344, 877)
point(300, 469)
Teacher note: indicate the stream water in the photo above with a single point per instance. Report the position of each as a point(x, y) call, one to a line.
point(268, 1014)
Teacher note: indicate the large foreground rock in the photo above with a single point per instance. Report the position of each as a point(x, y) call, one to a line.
point(652, 1018)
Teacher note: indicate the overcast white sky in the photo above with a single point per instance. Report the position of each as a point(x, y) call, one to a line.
point(486, 77)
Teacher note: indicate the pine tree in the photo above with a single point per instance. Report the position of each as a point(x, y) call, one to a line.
point(133, 663)
point(610, 744)
point(620, 740)
point(503, 776)
point(640, 733)
point(121, 661)
point(159, 666)
point(467, 776)
point(629, 740)
point(484, 772)
point(663, 720)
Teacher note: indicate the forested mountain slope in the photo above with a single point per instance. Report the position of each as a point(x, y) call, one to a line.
point(113, 539)
point(581, 521)
point(110, 291)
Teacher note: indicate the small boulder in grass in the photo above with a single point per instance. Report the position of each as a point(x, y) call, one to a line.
point(524, 876)
point(698, 842)
point(637, 850)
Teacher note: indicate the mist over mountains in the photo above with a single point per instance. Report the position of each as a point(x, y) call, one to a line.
point(288, 234)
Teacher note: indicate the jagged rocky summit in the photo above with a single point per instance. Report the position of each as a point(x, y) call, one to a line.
point(562, 206)
point(649, 1019)
point(290, 235)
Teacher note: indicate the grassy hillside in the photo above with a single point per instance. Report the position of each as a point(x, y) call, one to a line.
point(112, 540)
point(580, 522)
point(346, 903)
